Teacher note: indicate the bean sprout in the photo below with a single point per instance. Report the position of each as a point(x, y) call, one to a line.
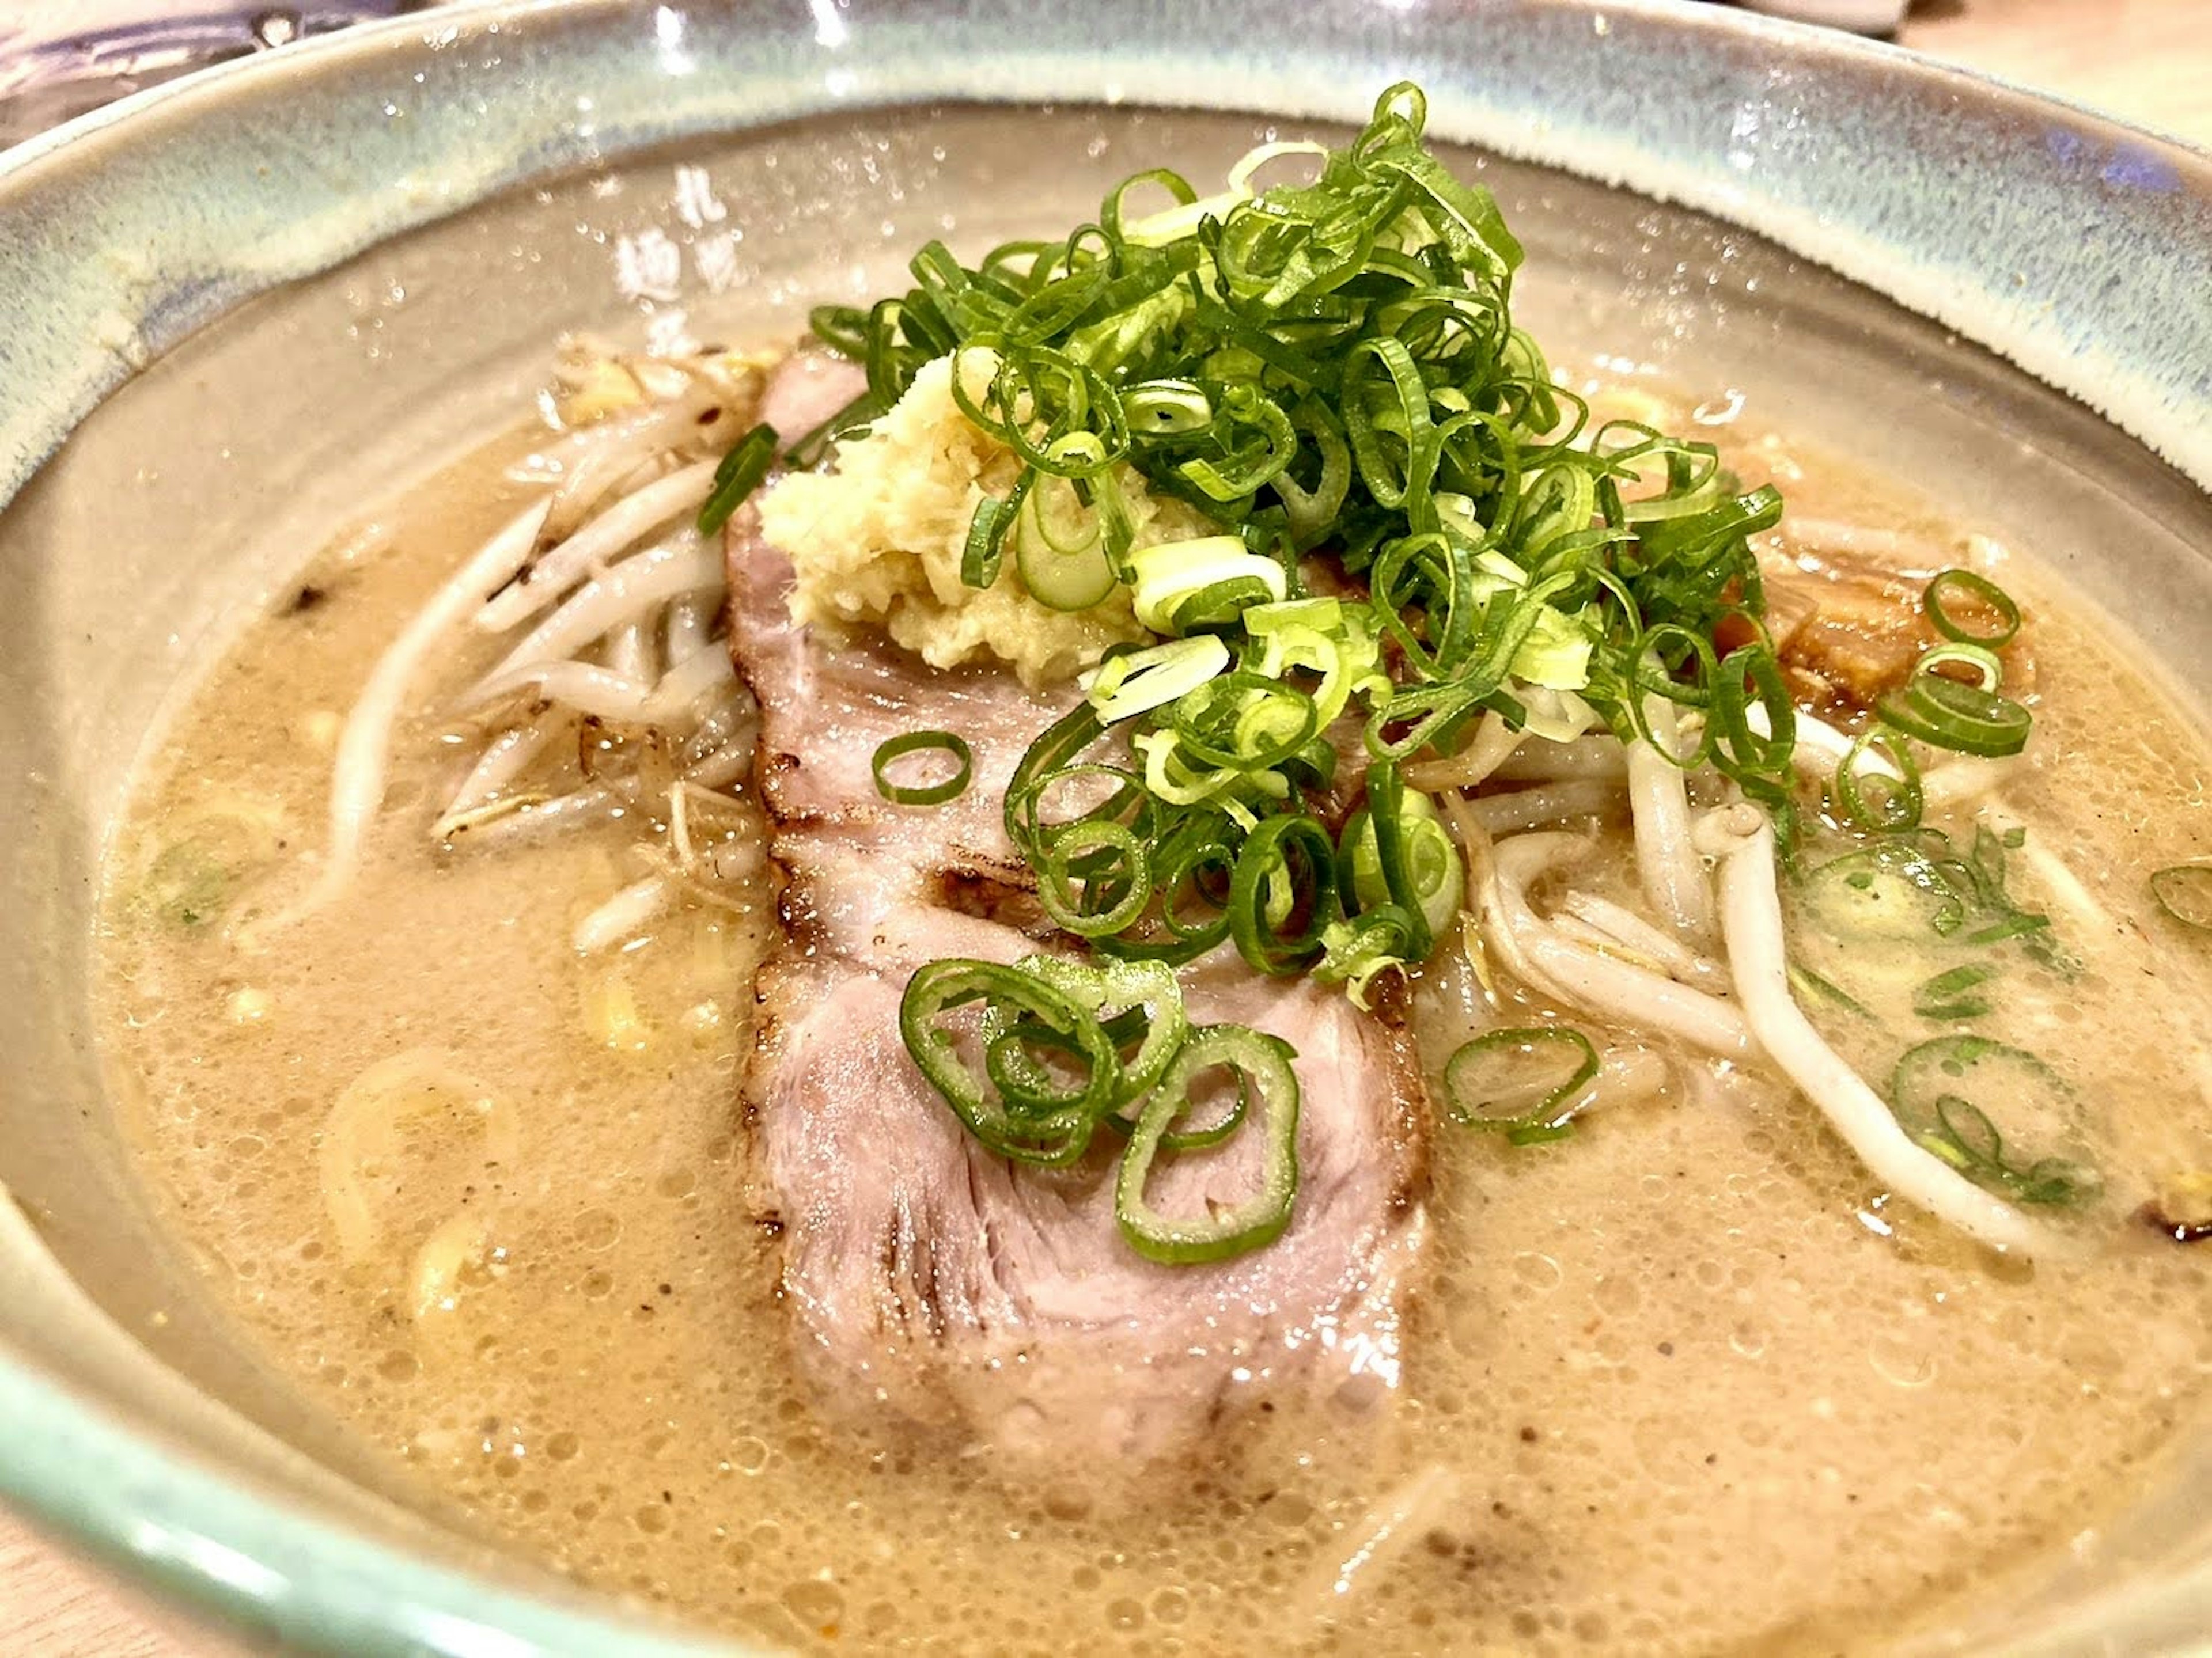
point(627, 591)
point(1494, 742)
point(1630, 931)
point(1597, 759)
point(364, 750)
point(1527, 809)
point(1742, 838)
point(636, 907)
point(1575, 973)
point(508, 756)
point(1672, 875)
point(630, 520)
point(1389, 1530)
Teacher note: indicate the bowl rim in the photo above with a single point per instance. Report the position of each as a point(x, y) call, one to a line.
point(227, 1544)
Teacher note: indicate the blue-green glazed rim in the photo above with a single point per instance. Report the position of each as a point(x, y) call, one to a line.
point(2075, 245)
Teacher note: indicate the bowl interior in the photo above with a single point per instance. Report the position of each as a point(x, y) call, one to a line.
point(185, 501)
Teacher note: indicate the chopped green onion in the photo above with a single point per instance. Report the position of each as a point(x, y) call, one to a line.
point(1013, 1128)
point(738, 476)
point(1026, 1082)
point(923, 794)
point(1805, 982)
point(1097, 877)
point(1885, 891)
point(1951, 714)
point(1938, 1093)
point(984, 549)
point(1146, 988)
point(1169, 408)
point(1980, 879)
point(1423, 872)
point(1332, 363)
point(1950, 995)
point(1067, 1047)
point(841, 328)
point(1894, 805)
point(1989, 669)
point(1213, 1134)
point(1177, 582)
point(1055, 748)
point(2185, 892)
point(1244, 721)
point(1985, 594)
point(1222, 1230)
point(1326, 363)
point(1324, 637)
point(1521, 1082)
point(1062, 573)
point(1750, 678)
point(1137, 682)
point(1182, 873)
point(1358, 950)
point(1287, 869)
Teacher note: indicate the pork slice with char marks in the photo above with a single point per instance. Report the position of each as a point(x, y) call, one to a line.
point(943, 1286)
point(998, 1303)
point(827, 704)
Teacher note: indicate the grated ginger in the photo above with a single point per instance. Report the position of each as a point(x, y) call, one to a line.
point(880, 540)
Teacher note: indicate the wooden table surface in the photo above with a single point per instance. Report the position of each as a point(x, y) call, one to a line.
point(2150, 60)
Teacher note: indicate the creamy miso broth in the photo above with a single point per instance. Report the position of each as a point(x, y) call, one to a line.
point(1688, 1392)
point(462, 1127)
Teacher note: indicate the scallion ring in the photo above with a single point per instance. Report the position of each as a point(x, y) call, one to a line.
point(1751, 676)
point(1164, 409)
point(1184, 869)
point(1244, 721)
point(1941, 1092)
point(1956, 995)
point(1287, 866)
point(1868, 798)
point(1983, 593)
point(1051, 1140)
point(1146, 990)
point(984, 549)
point(1952, 715)
point(1137, 682)
point(1520, 1082)
point(1400, 853)
point(1097, 877)
point(1989, 668)
point(924, 794)
point(1023, 1082)
point(1222, 1230)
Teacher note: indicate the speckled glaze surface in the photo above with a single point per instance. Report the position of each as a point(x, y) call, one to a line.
point(2074, 247)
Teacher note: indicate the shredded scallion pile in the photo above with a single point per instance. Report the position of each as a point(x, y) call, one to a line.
point(1325, 367)
point(1321, 365)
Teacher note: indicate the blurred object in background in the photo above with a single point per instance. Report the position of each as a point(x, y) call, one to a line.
point(1866, 17)
point(61, 57)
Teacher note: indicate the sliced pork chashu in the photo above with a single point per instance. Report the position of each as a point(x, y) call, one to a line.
point(934, 1281)
point(999, 1302)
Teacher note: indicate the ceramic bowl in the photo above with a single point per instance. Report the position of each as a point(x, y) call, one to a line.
point(232, 308)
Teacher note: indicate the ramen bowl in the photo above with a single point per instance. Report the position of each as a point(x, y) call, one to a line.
point(240, 306)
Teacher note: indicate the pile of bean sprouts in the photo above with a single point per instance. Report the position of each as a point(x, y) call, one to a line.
point(615, 693)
